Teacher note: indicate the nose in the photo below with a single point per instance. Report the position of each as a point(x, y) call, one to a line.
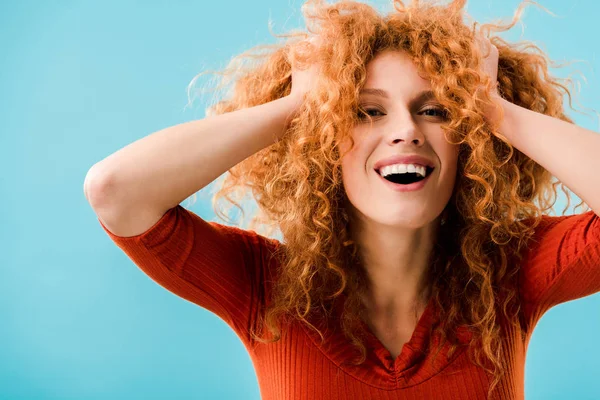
point(406, 131)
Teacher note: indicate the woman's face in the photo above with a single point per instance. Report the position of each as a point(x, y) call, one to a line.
point(404, 123)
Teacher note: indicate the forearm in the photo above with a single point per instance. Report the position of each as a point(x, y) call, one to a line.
point(569, 152)
point(166, 167)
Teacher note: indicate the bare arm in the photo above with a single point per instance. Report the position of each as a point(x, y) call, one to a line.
point(132, 188)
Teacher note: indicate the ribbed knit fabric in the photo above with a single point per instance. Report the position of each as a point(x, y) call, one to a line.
point(229, 271)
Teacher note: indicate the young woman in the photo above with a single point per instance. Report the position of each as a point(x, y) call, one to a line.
point(407, 160)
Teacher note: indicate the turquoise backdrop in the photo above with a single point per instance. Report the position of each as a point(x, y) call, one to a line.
point(81, 79)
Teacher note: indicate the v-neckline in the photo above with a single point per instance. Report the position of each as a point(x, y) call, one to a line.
point(413, 365)
point(411, 351)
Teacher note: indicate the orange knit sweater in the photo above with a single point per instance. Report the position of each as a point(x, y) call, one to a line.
point(227, 271)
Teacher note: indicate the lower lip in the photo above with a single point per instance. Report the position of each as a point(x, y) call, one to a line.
point(405, 188)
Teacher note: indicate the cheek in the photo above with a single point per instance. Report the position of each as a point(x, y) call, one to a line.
point(346, 142)
point(448, 153)
point(352, 161)
point(350, 172)
point(451, 160)
point(353, 173)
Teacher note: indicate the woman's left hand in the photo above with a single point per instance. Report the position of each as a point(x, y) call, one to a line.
point(490, 67)
point(490, 60)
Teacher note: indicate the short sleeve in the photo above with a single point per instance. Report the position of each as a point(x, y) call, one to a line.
point(562, 264)
point(224, 269)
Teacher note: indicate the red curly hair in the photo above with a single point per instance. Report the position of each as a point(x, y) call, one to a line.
point(498, 198)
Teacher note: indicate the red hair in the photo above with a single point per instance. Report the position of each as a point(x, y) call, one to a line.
point(498, 198)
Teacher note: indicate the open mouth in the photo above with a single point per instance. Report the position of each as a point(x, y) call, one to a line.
point(407, 178)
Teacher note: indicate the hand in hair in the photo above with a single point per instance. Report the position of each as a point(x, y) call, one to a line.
point(305, 65)
point(490, 60)
point(489, 67)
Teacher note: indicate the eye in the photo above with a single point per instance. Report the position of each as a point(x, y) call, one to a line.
point(368, 111)
point(437, 112)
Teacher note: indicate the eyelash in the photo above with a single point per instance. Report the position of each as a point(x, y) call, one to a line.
point(440, 110)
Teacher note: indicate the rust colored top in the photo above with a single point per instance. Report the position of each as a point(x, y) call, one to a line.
point(229, 271)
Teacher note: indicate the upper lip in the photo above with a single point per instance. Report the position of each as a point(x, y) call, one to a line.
point(404, 159)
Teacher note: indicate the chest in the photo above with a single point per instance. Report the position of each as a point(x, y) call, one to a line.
point(393, 335)
point(301, 362)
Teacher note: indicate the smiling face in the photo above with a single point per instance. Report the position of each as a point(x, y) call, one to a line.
point(405, 122)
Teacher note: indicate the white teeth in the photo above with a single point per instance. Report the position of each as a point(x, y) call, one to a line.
point(403, 169)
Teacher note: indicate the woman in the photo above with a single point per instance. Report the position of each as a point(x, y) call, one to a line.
point(407, 160)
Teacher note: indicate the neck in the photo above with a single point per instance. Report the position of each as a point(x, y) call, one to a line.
point(397, 265)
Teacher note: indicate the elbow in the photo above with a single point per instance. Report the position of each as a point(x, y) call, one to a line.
point(95, 186)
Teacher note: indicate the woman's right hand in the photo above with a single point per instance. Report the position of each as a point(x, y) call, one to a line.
point(305, 76)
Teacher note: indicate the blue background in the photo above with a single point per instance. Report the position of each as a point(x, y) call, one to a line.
point(80, 80)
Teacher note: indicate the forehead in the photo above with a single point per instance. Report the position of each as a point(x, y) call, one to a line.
point(396, 73)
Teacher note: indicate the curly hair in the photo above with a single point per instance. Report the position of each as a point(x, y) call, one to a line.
point(498, 198)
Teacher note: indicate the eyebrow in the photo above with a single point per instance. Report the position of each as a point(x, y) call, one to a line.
point(421, 97)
